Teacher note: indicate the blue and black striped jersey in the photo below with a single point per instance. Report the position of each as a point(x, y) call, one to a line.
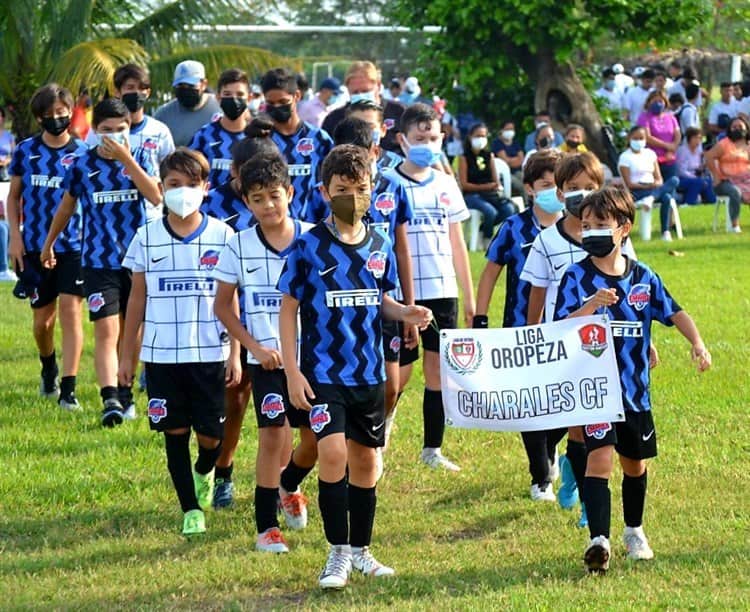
point(225, 204)
point(215, 143)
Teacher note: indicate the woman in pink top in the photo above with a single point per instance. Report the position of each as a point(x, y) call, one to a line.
point(662, 132)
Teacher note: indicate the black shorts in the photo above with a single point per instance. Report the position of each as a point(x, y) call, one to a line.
point(186, 395)
point(271, 399)
point(358, 412)
point(391, 341)
point(634, 438)
point(445, 316)
point(107, 291)
point(65, 277)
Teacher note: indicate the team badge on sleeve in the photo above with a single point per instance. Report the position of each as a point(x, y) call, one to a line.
point(319, 417)
point(272, 405)
point(376, 263)
point(157, 409)
point(598, 430)
point(96, 302)
point(639, 296)
point(593, 339)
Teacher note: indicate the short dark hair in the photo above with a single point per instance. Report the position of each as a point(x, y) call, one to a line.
point(232, 75)
point(257, 140)
point(353, 130)
point(634, 129)
point(648, 73)
point(45, 97)
point(346, 160)
point(608, 72)
point(542, 112)
point(725, 84)
point(279, 78)
point(574, 164)
point(692, 131)
point(185, 161)
point(264, 171)
point(689, 73)
point(132, 71)
point(610, 202)
point(110, 108)
point(676, 98)
point(539, 164)
point(417, 114)
point(507, 122)
point(303, 82)
point(692, 91)
point(364, 105)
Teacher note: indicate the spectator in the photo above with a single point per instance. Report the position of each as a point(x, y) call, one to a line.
point(80, 120)
point(193, 107)
point(609, 90)
point(662, 132)
point(478, 178)
point(394, 89)
point(640, 173)
point(729, 163)
point(574, 137)
point(623, 81)
point(542, 118)
point(506, 148)
point(674, 70)
point(315, 110)
point(255, 100)
point(689, 77)
point(7, 145)
point(737, 90)
point(694, 181)
point(411, 92)
point(660, 81)
point(722, 110)
point(634, 100)
point(676, 102)
point(687, 116)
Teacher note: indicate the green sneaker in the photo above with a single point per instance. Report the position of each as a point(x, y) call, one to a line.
point(194, 523)
point(204, 489)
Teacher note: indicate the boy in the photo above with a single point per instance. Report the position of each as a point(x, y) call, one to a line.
point(252, 261)
point(37, 170)
point(336, 275)
point(112, 188)
point(184, 347)
point(372, 113)
point(215, 139)
point(631, 296)
point(510, 247)
point(441, 262)
point(303, 146)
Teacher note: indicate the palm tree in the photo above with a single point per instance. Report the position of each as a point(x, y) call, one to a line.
point(77, 42)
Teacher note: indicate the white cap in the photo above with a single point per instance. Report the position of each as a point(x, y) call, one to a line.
point(638, 71)
point(618, 68)
point(411, 85)
point(189, 72)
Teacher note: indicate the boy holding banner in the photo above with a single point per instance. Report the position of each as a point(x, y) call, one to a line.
point(632, 296)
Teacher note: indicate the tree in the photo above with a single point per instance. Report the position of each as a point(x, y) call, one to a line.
point(484, 44)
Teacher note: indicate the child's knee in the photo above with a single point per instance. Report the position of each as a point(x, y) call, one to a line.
point(599, 462)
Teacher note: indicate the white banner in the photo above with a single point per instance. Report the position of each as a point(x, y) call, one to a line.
point(531, 378)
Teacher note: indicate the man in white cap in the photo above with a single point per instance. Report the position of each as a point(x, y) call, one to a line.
point(192, 107)
point(411, 92)
point(623, 81)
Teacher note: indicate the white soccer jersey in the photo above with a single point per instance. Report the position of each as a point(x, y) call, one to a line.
point(252, 264)
point(551, 253)
point(436, 203)
point(180, 325)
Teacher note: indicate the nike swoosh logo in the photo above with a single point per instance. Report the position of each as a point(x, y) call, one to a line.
point(251, 270)
point(376, 427)
point(34, 156)
point(526, 244)
point(648, 437)
point(589, 297)
point(560, 266)
point(228, 219)
point(222, 419)
point(79, 282)
point(158, 259)
point(214, 144)
point(327, 270)
point(94, 173)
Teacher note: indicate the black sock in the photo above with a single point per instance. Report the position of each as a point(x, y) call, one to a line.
point(178, 462)
point(266, 504)
point(634, 498)
point(535, 443)
point(333, 503)
point(577, 455)
point(598, 502)
point(206, 459)
point(49, 363)
point(67, 385)
point(434, 418)
point(293, 475)
point(553, 439)
point(125, 395)
point(108, 393)
point(225, 473)
point(362, 504)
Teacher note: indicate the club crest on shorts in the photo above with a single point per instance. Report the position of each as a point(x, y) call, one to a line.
point(593, 339)
point(376, 263)
point(96, 302)
point(464, 355)
point(598, 430)
point(34, 297)
point(385, 203)
point(157, 409)
point(272, 405)
point(395, 344)
point(319, 417)
point(305, 146)
point(209, 259)
point(639, 296)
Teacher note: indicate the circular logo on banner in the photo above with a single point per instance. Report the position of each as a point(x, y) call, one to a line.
point(464, 355)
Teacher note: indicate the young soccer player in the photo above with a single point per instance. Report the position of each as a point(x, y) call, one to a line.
point(252, 261)
point(303, 146)
point(440, 261)
point(510, 248)
point(215, 139)
point(184, 346)
point(37, 170)
point(113, 189)
point(632, 296)
point(335, 276)
point(372, 113)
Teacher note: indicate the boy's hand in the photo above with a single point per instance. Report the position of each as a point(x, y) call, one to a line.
point(269, 359)
point(416, 315)
point(604, 297)
point(700, 354)
point(469, 310)
point(126, 373)
point(114, 150)
point(16, 250)
point(653, 357)
point(299, 390)
point(233, 371)
point(47, 257)
point(411, 336)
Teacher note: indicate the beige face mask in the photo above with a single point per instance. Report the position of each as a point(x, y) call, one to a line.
point(351, 207)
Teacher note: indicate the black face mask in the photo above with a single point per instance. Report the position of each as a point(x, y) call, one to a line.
point(573, 201)
point(55, 125)
point(572, 144)
point(233, 107)
point(281, 113)
point(134, 100)
point(598, 243)
point(188, 97)
point(544, 142)
point(736, 135)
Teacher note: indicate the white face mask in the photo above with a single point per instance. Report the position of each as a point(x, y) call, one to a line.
point(183, 201)
point(508, 134)
point(119, 137)
point(479, 143)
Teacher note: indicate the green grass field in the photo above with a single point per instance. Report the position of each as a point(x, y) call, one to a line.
point(89, 519)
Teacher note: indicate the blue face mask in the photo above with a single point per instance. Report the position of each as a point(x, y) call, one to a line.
point(376, 137)
point(656, 108)
point(547, 200)
point(610, 84)
point(359, 97)
point(637, 145)
point(332, 100)
point(423, 155)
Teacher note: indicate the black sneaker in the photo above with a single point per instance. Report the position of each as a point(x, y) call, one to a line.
point(48, 385)
point(112, 413)
point(69, 402)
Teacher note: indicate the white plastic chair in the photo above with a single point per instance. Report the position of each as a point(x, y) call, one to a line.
point(722, 201)
point(474, 222)
point(503, 172)
point(645, 206)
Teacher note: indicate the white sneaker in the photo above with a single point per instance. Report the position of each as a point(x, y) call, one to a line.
point(554, 468)
point(271, 540)
point(364, 562)
point(666, 236)
point(596, 557)
point(338, 566)
point(294, 507)
point(8, 276)
point(545, 494)
point(129, 413)
point(433, 458)
point(736, 229)
point(636, 544)
point(379, 465)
